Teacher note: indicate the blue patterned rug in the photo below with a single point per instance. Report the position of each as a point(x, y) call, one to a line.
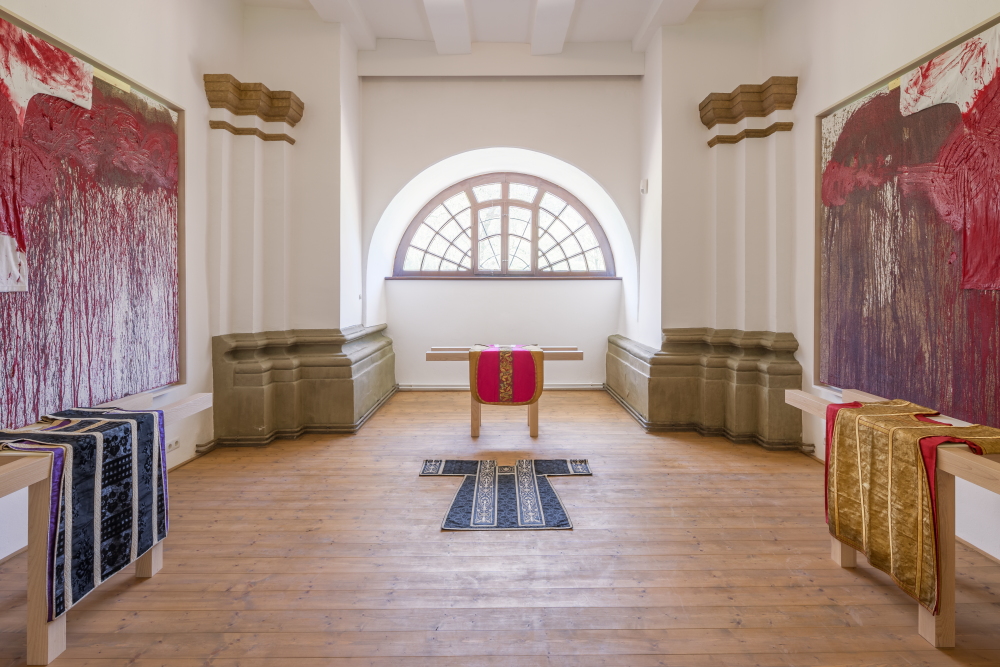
point(517, 497)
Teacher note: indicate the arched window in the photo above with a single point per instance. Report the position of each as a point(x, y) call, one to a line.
point(504, 225)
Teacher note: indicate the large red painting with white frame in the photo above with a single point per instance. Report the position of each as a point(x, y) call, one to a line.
point(88, 234)
point(910, 236)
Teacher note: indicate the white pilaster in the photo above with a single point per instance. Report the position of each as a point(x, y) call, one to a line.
point(751, 215)
point(250, 209)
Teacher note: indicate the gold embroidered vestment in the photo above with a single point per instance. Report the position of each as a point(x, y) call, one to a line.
point(879, 499)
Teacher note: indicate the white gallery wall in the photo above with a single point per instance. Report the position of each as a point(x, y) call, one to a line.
point(464, 312)
point(410, 124)
point(721, 216)
point(648, 328)
point(700, 264)
point(837, 49)
point(167, 47)
point(351, 257)
point(293, 49)
point(285, 219)
point(712, 52)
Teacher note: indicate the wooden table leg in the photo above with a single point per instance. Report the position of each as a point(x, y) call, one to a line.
point(45, 640)
point(150, 562)
point(842, 555)
point(940, 630)
point(477, 417)
point(533, 419)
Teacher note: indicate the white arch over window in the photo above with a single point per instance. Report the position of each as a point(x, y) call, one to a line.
point(424, 186)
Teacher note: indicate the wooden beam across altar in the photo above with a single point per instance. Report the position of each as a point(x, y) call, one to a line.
point(18, 470)
point(953, 461)
point(552, 353)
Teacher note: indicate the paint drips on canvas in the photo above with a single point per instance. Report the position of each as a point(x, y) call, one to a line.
point(911, 237)
point(89, 179)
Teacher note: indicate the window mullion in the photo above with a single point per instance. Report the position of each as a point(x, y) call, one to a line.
point(534, 237)
point(504, 227)
point(475, 234)
point(472, 229)
point(504, 234)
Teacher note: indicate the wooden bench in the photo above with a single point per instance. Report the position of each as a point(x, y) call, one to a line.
point(46, 640)
point(953, 461)
point(552, 353)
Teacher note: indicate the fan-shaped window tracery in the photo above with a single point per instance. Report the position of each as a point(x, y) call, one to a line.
point(505, 225)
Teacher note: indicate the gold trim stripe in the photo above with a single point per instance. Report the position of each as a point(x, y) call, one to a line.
point(749, 134)
point(506, 374)
point(248, 131)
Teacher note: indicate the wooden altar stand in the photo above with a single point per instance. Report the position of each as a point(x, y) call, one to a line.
point(552, 353)
point(954, 460)
point(46, 640)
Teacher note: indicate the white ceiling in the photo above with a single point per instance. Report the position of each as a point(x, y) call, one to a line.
point(454, 24)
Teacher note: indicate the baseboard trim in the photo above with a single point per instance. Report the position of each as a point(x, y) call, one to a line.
point(653, 427)
point(293, 434)
point(964, 543)
point(465, 387)
point(205, 448)
point(184, 463)
point(199, 451)
point(13, 555)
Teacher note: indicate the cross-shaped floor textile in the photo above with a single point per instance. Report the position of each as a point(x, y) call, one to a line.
point(517, 497)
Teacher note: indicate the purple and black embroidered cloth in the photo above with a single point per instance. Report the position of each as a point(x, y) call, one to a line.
point(109, 494)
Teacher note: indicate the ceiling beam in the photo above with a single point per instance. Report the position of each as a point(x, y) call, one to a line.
point(348, 13)
point(449, 21)
point(548, 31)
point(661, 13)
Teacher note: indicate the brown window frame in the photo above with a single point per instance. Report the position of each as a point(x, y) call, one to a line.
point(505, 202)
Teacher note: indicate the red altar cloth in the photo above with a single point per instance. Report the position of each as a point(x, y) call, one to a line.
point(506, 374)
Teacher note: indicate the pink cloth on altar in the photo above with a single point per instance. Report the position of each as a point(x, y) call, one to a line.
point(488, 375)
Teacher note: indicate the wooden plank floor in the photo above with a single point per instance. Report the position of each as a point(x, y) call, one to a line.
point(687, 551)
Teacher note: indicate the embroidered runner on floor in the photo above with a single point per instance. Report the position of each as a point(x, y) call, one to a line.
point(517, 497)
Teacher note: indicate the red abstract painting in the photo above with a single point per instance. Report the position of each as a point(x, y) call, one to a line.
point(88, 235)
point(910, 236)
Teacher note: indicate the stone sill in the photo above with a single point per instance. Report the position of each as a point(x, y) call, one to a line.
point(511, 278)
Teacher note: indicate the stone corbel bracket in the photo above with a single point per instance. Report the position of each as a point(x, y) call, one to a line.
point(750, 112)
point(251, 109)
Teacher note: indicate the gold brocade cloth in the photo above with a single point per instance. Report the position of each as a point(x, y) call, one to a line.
point(880, 497)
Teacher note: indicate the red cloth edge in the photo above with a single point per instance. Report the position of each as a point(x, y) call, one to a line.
point(831, 418)
point(524, 375)
point(928, 452)
point(488, 376)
